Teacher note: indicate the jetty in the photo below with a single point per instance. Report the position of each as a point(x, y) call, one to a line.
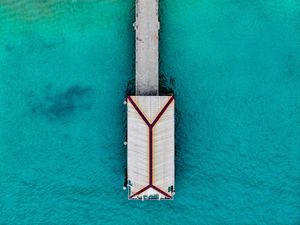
point(150, 117)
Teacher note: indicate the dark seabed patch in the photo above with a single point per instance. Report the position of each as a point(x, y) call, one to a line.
point(63, 104)
point(36, 44)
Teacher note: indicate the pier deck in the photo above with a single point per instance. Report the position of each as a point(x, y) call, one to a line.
point(147, 53)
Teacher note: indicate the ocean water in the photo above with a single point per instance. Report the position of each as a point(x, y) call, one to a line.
point(65, 68)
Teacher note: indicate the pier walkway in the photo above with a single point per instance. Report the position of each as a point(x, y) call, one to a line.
point(147, 52)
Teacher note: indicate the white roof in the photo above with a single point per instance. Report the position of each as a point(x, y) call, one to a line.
point(150, 131)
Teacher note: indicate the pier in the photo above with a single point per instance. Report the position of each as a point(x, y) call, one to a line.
point(150, 117)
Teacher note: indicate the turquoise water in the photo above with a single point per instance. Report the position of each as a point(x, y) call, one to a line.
point(65, 67)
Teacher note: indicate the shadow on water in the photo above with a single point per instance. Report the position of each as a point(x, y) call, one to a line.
point(55, 106)
point(166, 85)
point(130, 89)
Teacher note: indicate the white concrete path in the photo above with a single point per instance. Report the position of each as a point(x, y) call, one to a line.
point(147, 52)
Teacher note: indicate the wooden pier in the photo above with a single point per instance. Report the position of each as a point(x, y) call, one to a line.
point(147, 53)
point(150, 117)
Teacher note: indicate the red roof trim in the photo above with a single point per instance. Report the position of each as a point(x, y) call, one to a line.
point(162, 111)
point(161, 191)
point(150, 155)
point(140, 191)
point(155, 188)
point(139, 111)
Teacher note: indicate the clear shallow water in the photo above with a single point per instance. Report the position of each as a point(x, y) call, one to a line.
point(64, 70)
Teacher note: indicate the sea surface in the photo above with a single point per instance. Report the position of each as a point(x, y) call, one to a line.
point(65, 68)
